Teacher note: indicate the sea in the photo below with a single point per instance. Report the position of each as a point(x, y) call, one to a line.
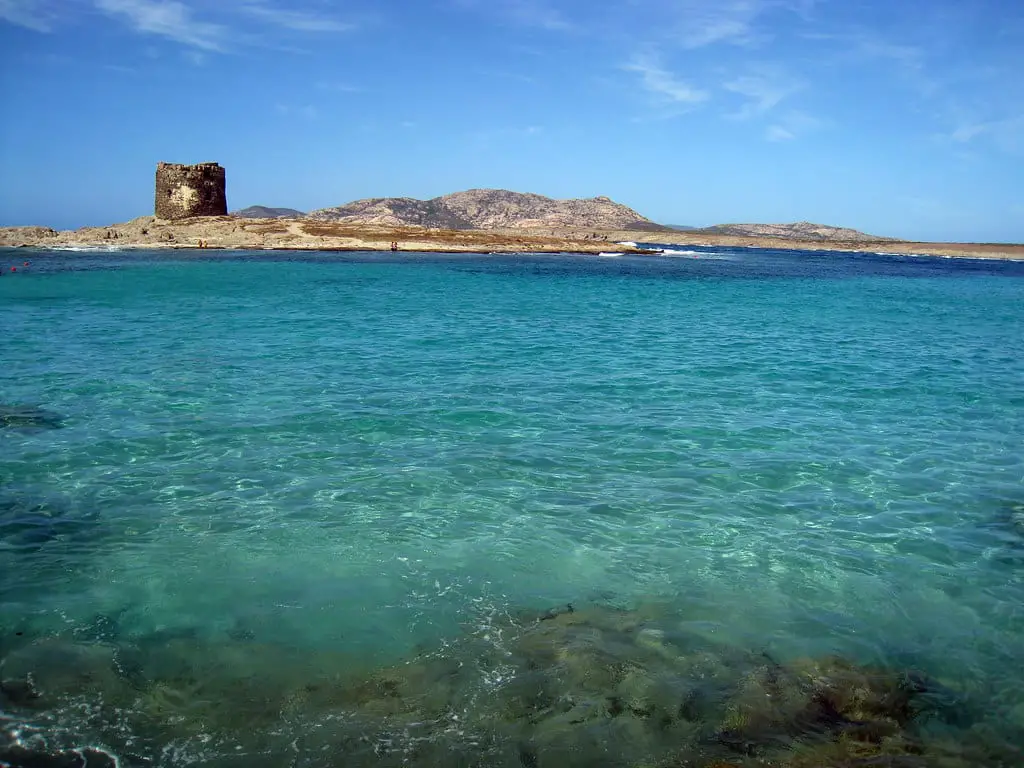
point(702, 507)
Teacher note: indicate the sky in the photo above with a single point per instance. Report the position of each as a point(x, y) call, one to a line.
point(902, 118)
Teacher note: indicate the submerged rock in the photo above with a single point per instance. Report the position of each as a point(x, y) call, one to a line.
point(84, 757)
point(29, 417)
point(1015, 517)
point(608, 688)
point(28, 524)
point(587, 687)
point(45, 671)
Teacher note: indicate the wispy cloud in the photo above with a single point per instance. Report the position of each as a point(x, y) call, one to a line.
point(195, 58)
point(167, 18)
point(663, 84)
point(298, 21)
point(791, 125)
point(705, 23)
point(306, 111)
point(486, 140)
point(529, 13)
point(779, 133)
point(860, 47)
point(700, 23)
point(972, 104)
point(1006, 133)
point(763, 90)
point(31, 14)
point(238, 23)
point(338, 86)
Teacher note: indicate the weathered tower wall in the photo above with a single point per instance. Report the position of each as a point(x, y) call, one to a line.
point(190, 190)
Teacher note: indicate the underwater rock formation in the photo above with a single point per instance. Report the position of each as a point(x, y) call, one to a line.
point(29, 417)
point(588, 687)
point(83, 757)
point(27, 523)
point(1015, 517)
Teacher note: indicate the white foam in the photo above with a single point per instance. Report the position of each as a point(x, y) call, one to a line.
point(79, 248)
point(673, 252)
point(611, 254)
point(628, 244)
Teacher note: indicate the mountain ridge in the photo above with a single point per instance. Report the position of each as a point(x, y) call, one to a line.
point(502, 209)
point(266, 212)
point(489, 209)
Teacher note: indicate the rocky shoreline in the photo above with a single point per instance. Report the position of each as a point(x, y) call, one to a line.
point(233, 233)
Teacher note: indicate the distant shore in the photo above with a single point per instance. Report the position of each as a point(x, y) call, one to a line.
point(1003, 251)
point(231, 233)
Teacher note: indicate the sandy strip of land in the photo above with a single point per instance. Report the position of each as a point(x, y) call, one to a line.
point(229, 232)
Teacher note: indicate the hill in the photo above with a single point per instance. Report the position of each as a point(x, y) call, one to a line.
point(488, 209)
point(800, 230)
point(263, 212)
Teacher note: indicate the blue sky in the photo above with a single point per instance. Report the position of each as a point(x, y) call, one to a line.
point(898, 117)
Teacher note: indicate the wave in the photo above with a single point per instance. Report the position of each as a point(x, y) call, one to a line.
point(628, 244)
point(78, 248)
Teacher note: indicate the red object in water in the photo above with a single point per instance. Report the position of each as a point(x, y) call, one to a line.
point(14, 269)
point(26, 263)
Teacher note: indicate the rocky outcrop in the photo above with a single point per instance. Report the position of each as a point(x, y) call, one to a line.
point(184, 191)
point(488, 209)
point(800, 230)
point(13, 235)
point(263, 212)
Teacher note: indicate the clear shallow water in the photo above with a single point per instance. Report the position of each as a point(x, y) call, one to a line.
point(364, 456)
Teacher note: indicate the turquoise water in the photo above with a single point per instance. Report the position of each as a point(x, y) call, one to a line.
point(364, 457)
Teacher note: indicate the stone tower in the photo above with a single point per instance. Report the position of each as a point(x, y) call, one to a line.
point(190, 190)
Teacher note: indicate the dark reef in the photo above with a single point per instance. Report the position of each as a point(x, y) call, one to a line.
point(29, 417)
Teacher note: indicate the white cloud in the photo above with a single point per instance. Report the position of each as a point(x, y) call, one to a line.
point(1007, 133)
point(778, 133)
point(699, 23)
point(706, 23)
point(763, 91)
point(859, 47)
point(31, 14)
point(306, 111)
point(238, 22)
point(298, 21)
point(791, 125)
point(664, 84)
point(528, 13)
point(338, 87)
point(167, 18)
